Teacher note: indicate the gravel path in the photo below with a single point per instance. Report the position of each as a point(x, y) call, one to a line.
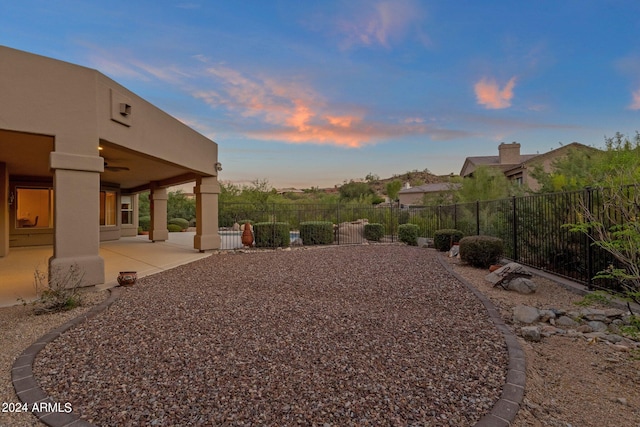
point(359, 335)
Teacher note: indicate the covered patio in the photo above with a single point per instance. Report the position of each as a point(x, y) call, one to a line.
point(76, 150)
point(126, 254)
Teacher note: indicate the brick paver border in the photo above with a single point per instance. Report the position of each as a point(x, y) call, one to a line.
point(26, 386)
point(504, 411)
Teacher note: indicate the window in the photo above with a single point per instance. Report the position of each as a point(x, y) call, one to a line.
point(126, 207)
point(108, 207)
point(34, 207)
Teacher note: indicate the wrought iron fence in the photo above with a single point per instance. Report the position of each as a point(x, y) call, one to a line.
point(533, 228)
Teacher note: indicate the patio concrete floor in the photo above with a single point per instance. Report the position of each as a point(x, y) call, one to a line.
point(127, 254)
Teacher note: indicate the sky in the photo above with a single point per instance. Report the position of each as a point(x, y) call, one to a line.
point(315, 93)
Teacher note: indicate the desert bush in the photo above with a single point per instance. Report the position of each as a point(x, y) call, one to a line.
point(373, 232)
point(181, 222)
point(173, 228)
point(408, 233)
point(271, 234)
point(59, 292)
point(481, 251)
point(316, 232)
point(443, 239)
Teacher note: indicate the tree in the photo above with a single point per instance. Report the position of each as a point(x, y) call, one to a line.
point(486, 184)
point(615, 227)
point(393, 188)
point(179, 205)
point(355, 191)
point(581, 168)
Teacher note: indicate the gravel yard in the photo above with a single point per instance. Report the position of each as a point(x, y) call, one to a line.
point(359, 335)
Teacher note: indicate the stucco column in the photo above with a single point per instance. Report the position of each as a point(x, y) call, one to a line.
point(158, 230)
point(207, 236)
point(4, 209)
point(76, 242)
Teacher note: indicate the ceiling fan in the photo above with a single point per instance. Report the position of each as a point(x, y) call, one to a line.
point(114, 168)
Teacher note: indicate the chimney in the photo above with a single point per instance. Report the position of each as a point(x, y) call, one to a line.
point(509, 154)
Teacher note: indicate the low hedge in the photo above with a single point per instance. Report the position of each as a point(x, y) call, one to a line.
point(181, 222)
point(316, 232)
point(408, 233)
point(373, 232)
point(271, 234)
point(481, 251)
point(443, 239)
point(173, 228)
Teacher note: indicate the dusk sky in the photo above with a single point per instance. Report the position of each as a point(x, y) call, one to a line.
point(312, 93)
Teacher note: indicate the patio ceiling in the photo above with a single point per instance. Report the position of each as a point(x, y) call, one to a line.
point(134, 171)
point(27, 155)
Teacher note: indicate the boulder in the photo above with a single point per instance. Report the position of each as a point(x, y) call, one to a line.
point(566, 322)
point(531, 333)
point(522, 285)
point(597, 326)
point(351, 232)
point(525, 314)
point(507, 273)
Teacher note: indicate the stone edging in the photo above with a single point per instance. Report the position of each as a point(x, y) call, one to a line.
point(26, 386)
point(504, 411)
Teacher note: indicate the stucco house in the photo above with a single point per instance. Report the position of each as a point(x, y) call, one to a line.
point(411, 196)
point(76, 148)
point(517, 167)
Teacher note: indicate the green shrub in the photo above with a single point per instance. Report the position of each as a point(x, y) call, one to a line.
point(181, 222)
point(271, 234)
point(373, 232)
point(408, 233)
point(316, 232)
point(173, 228)
point(481, 251)
point(443, 239)
point(144, 222)
point(244, 221)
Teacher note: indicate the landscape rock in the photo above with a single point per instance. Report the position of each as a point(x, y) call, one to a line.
point(593, 314)
point(614, 313)
point(566, 322)
point(531, 333)
point(525, 314)
point(597, 326)
point(522, 285)
point(507, 273)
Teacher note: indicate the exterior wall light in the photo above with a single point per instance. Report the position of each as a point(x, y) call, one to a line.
point(125, 109)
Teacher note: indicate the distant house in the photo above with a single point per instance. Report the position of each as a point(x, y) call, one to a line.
point(517, 167)
point(409, 196)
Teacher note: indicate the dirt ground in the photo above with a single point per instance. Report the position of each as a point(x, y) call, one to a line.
point(570, 382)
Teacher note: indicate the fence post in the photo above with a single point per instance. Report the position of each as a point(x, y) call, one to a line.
point(439, 217)
point(455, 216)
point(336, 230)
point(477, 217)
point(589, 205)
point(515, 229)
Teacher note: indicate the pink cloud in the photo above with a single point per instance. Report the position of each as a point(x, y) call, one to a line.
point(635, 104)
point(292, 112)
point(491, 96)
point(380, 23)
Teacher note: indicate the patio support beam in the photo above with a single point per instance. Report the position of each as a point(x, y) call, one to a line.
point(4, 209)
point(158, 205)
point(76, 242)
point(207, 190)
